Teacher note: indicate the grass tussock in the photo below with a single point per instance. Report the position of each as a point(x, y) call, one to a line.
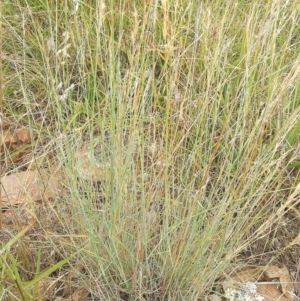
point(191, 111)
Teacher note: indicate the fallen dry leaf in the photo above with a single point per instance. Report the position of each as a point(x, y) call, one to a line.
point(13, 142)
point(30, 186)
point(263, 279)
point(273, 272)
point(15, 139)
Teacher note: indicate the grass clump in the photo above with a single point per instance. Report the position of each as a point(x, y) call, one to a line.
point(188, 115)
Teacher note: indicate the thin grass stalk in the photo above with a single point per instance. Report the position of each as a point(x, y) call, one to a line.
point(1, 109)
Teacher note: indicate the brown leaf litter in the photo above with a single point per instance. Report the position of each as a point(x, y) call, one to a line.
point(13, 141)
point(265, 283)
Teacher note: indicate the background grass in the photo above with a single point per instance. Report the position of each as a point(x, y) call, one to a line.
point(190, 110)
